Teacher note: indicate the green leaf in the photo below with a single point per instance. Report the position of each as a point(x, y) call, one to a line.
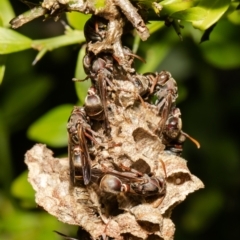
point(22, 189)
point(214, 9)
point(2, 67)
point(154, 26)
point(6, 170)
point(81, 87)
point(6, 12)
point(150, 6)
point(71, 37)
point(172, 6)
point(222, 55)
point(19, 224)
point(2, 71)
point(99, 4)
point(223, 48)
point(44, 45)
point(233, 7)
point(51, 127)
point(207, 33)
point(136, 43)
point(203, 210)
point(23, 98)
point(190, 14)
point(77, 20)
point(153, 57)
point(12, 41)
point(234, 17)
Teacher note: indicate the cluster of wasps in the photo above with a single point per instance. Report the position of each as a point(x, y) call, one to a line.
point(160, 87)
point(91, 126)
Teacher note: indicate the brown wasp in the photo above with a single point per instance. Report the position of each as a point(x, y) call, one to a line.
point(173, 136)
point(116, 182)
point(99, 69)
point(95, 29)
point(164, 88)
point(158, 85)
point(79, 131)
point(131, 181)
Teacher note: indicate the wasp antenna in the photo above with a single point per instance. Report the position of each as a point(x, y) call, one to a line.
point(80, 80)
point(137, 56)
point(192, 139)
point(29, 4)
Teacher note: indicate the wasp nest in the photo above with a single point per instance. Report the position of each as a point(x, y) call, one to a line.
point(124, 174)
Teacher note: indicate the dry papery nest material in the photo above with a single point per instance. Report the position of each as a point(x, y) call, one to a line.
point(119, 216)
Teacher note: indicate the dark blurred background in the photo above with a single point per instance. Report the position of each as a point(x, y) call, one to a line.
point(208, 76)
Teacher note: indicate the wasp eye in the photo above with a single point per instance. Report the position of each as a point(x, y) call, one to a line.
point(173, 122)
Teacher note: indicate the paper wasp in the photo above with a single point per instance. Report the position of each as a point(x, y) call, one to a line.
point(173, 136)
point(131, 181)
point(79, 132)
point(163, 88)
point(99, 69)
point(95, 29)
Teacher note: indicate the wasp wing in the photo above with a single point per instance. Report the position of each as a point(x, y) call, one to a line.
point(85, 157)
point(71, 162)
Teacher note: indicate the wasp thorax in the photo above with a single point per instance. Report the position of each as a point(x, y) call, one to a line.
point(93, 105)
point(98, 64)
